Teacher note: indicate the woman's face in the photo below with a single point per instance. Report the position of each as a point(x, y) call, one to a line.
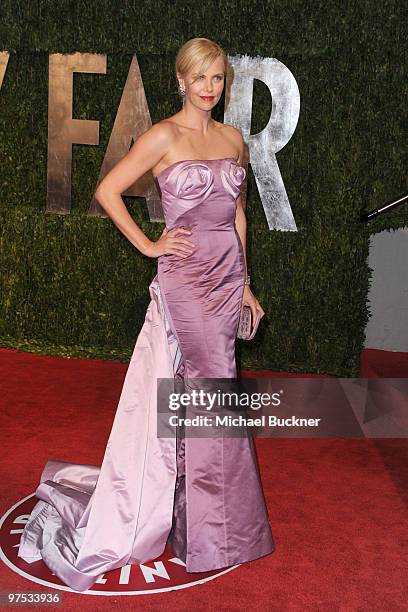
point(205, 89)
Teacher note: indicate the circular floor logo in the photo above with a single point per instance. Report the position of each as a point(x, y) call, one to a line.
point(165, 573)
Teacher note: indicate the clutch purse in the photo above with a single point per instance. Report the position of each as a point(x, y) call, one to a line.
point(246, 327)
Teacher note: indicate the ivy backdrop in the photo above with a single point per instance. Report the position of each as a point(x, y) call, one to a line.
point(73, 285)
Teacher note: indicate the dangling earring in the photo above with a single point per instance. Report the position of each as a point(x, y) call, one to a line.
point(182, 92)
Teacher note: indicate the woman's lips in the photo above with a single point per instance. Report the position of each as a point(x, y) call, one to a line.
point(207, 98)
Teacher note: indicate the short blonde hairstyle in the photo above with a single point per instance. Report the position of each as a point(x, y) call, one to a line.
point(200, 51)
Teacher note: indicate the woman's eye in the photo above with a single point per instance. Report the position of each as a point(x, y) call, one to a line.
point(217, 77)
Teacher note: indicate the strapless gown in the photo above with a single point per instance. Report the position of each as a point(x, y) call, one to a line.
point(203, 495)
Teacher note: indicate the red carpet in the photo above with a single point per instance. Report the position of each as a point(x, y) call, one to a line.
point(375, 363)
point(338, 508)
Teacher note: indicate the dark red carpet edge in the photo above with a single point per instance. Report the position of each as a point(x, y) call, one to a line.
point(338, 508)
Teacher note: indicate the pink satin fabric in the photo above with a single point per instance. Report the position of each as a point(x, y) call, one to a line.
point(218, 520)
point(91, 520)
point(204, 495)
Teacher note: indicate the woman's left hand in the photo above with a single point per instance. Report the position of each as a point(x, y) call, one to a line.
point(249, 299)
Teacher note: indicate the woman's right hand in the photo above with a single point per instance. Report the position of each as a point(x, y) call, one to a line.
point(171, 244)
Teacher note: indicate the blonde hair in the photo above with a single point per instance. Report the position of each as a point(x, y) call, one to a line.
point(200, 51)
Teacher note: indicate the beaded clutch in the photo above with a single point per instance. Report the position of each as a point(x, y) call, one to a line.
point(245, 323)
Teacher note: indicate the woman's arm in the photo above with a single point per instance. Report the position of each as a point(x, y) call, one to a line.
point(146, 152)
point(240, 217)
point(241, 225)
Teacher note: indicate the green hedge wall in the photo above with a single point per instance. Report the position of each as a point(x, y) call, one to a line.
point(73, 285)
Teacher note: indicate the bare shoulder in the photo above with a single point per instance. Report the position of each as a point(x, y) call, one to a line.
point(154, 144)
point(234, 135)
point(164, 132)
point(231, 129)
point(170, 126)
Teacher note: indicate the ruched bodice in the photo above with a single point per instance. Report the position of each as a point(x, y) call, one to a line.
point(189, 183)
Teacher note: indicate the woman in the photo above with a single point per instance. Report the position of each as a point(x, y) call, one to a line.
point(202, 494)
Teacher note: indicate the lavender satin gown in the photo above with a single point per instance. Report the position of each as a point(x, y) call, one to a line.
point(202, 495)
